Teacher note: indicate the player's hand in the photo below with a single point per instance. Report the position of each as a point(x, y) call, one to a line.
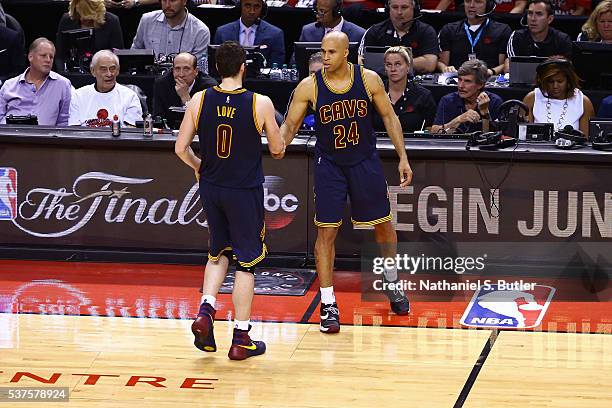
point(483, 103)
point(450, 68)
point(405, 173)
point(469, 116)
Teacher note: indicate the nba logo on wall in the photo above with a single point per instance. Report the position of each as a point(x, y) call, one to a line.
point(8, 193)
point(491, 307)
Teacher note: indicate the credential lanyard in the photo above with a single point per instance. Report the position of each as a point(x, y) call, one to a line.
point(474, 41)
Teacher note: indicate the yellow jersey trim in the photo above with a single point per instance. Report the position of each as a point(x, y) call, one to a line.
point(365, 83)
point(327, 224)
point(197, 121)
point(339, 91)
point(225, 91)
point(264, 251)
point(257, 126)
point(216, 258)
point(373, 222)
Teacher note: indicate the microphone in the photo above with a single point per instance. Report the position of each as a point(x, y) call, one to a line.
point(523, 20)
point(487, 12)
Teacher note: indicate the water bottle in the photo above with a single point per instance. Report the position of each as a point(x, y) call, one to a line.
point(295, 75)
point(275, 72)
point(148, 126)
point(286, 73)
point(116, 127)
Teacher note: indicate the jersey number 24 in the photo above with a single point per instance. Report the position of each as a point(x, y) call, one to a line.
point(341, 137)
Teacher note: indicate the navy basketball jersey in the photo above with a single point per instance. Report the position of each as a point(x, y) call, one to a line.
point(230, 138)
point(343, 119)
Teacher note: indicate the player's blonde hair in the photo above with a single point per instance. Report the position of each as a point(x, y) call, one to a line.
point(89, 10)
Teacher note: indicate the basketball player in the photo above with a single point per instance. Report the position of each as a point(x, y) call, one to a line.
point(229, 120)
point(347, 163)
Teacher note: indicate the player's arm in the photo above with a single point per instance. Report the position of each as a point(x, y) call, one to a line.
point(391, 122)
point(182, 147)
point(298, 106)
point(266, 116)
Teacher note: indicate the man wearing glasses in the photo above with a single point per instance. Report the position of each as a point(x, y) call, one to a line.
point(329, 18)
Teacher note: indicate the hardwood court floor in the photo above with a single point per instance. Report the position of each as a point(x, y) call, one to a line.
point(118, 336)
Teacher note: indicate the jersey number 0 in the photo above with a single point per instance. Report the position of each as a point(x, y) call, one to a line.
point(224, 140)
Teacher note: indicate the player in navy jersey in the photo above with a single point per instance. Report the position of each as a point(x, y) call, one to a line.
point(347, 163)
point(229, 121)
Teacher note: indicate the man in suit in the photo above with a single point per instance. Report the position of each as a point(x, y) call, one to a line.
point(250, 29)
point(11, 54)
point(329, 18)
point(177, 87)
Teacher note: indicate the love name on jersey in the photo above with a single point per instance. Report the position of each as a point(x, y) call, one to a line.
point(344, 109)
point(226, 111)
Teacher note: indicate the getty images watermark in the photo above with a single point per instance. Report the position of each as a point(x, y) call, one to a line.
point(388, 271)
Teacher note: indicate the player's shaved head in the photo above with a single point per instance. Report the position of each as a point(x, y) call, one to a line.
point(336, 39)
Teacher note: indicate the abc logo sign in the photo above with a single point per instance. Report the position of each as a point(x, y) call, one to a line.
point(280, 205)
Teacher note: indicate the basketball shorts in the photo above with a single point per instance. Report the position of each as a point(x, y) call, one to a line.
point(235, 222)
point(364, 184)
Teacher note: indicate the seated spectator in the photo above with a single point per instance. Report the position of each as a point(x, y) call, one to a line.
point(413, 104)
point(442, 5)
point(250, 29)
point(475, 37)
point(95, 105)
point(329, 18)
point(360, 4)
point(315, 63)
point(38, 91)
point(539, 38)
point(510, 6)
point(598, 27)
point(88, 14)
point(571, 7)
point(172, 30)
point(11, 54)
point(558, 99)
point(605, 108)
point(402, 28)
point(176, 88)
point(471, 107)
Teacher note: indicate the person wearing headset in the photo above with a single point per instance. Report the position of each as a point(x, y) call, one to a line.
point(403, 27)
point(538, 38)
point(475, 37)
point(471, 108)
point(172, 30)
point(558, 99)
point(329, 18)
point(250, 29)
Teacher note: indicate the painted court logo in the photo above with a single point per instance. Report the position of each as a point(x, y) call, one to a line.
point(491, 307)
point(8, 193)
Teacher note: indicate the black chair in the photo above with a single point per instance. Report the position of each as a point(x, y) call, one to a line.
point(13, 24)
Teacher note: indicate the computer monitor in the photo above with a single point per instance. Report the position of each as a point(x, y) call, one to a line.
point(135, 60)
point(78, 47)
point(374, 58)
point(589, 59)
point(255, 60)
point(523, 69)
point(303, 51)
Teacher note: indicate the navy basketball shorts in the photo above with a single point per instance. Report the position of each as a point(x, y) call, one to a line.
point(235, 222)
point(364, 184)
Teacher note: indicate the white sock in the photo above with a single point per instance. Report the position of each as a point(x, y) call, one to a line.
point(390, 274)
point(241, 325)
point(209, 299)
point(327, 295)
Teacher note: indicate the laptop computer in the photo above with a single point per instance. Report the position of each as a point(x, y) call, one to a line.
point(523, 69)
point(599, 126)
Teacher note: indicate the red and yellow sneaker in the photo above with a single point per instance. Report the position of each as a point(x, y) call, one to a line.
point(202, 328)
point(243, 347)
